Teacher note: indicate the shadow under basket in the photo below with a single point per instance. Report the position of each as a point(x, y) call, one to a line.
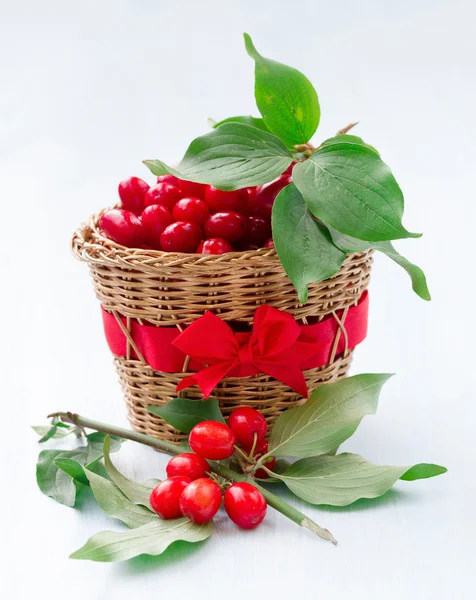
point(174, 290)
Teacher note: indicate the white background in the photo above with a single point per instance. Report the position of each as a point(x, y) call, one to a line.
point(89, 89)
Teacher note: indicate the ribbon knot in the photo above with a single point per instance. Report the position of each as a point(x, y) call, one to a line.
point(273, 347)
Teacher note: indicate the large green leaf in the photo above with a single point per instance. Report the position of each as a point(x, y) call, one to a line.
point(417, 276)
point(246, 120)
point(343, 479)
point(351, 189)
point(152, 538)
point(138, 493)
point(110, 498)
point(184, 414)
point(304, 246)
point(56, 483)
point(330, 416)
point(231, 157)
point(285, 98)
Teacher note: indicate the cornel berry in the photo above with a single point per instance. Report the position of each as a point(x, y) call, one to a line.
point(187, 465)
point(200, 500)
point(246, 422)
point(165, 498)
point(213, 440)
point(245, 505)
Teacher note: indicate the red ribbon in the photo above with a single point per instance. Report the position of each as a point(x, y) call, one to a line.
point(272, 347)
point(157, 344)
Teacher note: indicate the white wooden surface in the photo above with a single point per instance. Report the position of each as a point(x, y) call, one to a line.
point(88, 90)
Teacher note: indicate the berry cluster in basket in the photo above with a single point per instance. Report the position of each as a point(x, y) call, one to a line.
point(191, 490)
point(181, 216)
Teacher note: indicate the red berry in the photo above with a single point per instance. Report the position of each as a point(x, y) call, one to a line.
point(187, 465)
point(245, 505)
point(181, 237)
point(123, 227)
point(193, 210)
point(165, 498)
point(162, 193)
point(230, 225)
point(262, 203)
point(132, 192)
point(218, 200)
point(269, 243)
point(289, 170)
point(261, 449)
point(214, 246)
point(190, 189)
point(155, 219)
point(200, 500)
point(247, 245)
point(211, 439)
point(245, 423)
point(258, 230)
point(169, 179)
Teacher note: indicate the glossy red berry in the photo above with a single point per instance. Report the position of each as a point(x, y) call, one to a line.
point(262, 203)
point(230, 225)
point(190, 189)
point(219, 201)
point(193, 210)
point(187, 465)
point(155, 219)
point(214, 246)
point(181, 237)
point(245, 505)
point(200, 500)
point(258, 230)
point(165, 498)
point(132, 192)
point(269, 243)
point(245, 423)
point(261, 449)
point(123, 227)
point(162, 193)
point(211, 439)
point(169, 179)
point(289, 170)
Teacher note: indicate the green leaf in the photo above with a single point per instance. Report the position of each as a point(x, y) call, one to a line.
point(417, 276)
point(345, 138)
point(247, 120)
point(231, 157)
point(330, 416)
point(343, 479)
point(152, 538)
point(110, 498)
point(138, 493)
point(184, 414)
point(304, 246)
point(55, 482)
point(47, 432)
point(285, 98)
point(351, 189)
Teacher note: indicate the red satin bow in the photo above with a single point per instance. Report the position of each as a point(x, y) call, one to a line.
point(272, 347)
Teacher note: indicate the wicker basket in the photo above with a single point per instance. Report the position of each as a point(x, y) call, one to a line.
point(173, 290)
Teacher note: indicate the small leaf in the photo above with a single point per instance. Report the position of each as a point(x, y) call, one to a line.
point(110, 499)
point(351, 189)
point(248, 120)
point(345, 138)
point(304, 246)
point(184, 414)
point(96, 443)
point(231, 157)
point(152, 538)
point(330, 416)
point(343, 479)
point(47, 432)
point(138, 493)
point(285, 98)
point(417, 276)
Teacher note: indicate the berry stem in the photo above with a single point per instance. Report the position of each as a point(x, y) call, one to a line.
point(274, 501)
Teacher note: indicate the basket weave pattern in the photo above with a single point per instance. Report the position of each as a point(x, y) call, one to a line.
point(172, 289)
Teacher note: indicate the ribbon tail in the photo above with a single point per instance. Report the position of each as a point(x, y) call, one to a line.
point(290, 375)
point(207, 379)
